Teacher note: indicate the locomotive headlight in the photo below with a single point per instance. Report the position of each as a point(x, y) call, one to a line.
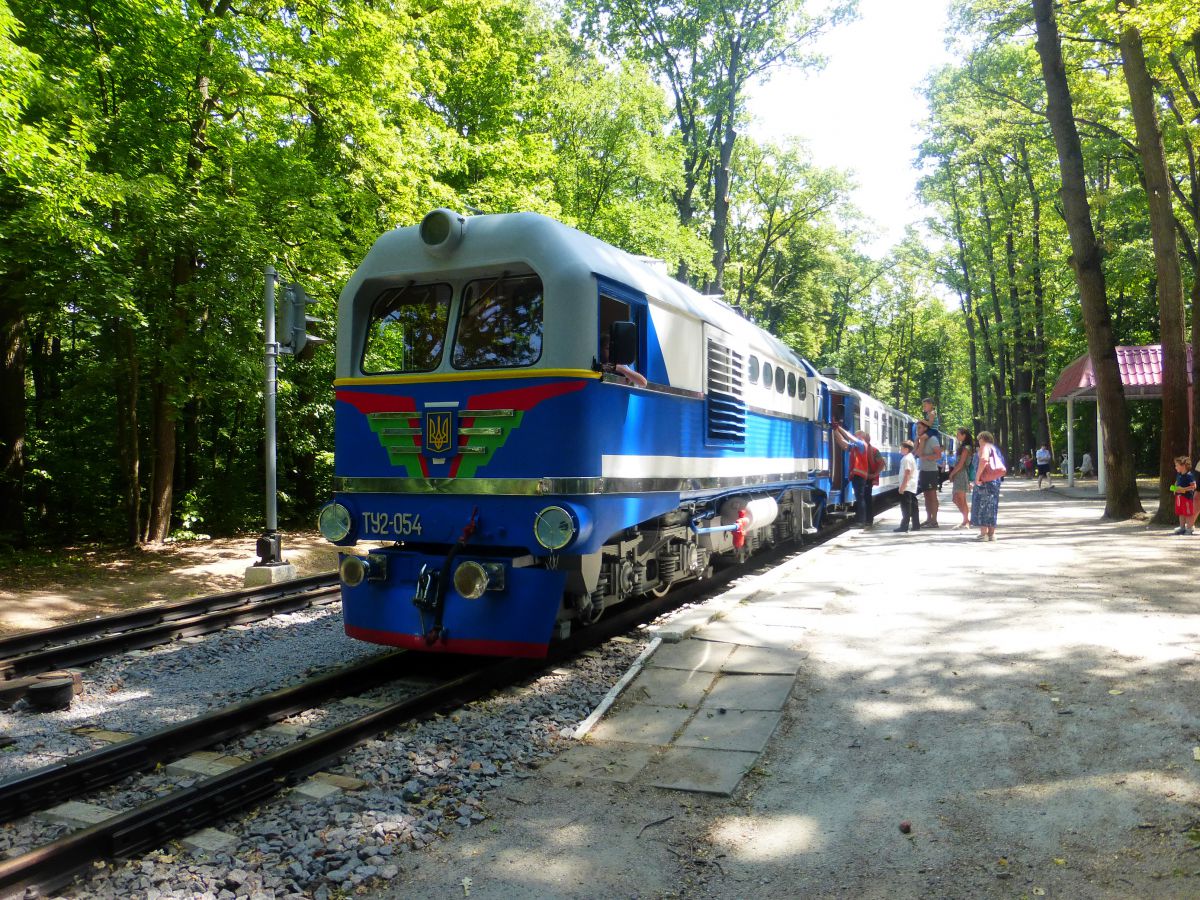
point(554, 527)
point(471, 580)
point(357, 569)
point(334, 522)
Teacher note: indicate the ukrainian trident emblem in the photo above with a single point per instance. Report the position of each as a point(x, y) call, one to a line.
point(440, 433)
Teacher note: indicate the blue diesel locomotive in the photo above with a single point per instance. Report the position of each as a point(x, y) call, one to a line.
point(532, 425)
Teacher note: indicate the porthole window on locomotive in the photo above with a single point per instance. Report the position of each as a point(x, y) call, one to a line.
point(407, 329)
point(753, 369)
point(801, 389)
point(779, 380)
point(768, 375)
point(791, 384)
point(500, 325)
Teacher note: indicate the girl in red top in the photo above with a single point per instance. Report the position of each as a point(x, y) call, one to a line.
point(1185, 495)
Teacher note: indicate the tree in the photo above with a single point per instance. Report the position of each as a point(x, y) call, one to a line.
point(1122, 497)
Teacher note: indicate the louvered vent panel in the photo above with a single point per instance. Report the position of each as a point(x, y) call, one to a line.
point(726, 410)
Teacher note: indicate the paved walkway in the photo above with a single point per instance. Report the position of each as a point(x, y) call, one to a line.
point(698, 712)
point(967, 719)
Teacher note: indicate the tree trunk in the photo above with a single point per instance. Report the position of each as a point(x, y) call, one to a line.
point(1122, 500)
point(967, 300)
point(128, 438)
point(1166, 264)
point(12, 417)
point(998, 359)
point(726, 123)
point(1039, 303)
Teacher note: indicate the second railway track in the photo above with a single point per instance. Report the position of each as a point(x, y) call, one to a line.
point(80, 643)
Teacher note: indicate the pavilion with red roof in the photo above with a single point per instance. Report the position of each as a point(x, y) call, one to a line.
point(1141, 375)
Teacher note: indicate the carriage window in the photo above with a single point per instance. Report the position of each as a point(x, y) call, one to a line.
point(779, 378)
point(501, 323)
point(791, 384)
point(768, 375)
point(801, 389)
point(753, 373)
point(407, 329)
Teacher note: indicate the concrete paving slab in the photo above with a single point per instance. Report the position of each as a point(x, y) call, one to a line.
point(700, 769)
point(762, 661)
point(737, 729)
point(608, 761)
point(638, 724)
point(670, 687)
point(75, 814)
point(701, 656)
point(749, 692)
point(777, 637)
point(209, 840)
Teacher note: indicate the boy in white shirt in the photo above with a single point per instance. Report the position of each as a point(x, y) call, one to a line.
point(908, 488)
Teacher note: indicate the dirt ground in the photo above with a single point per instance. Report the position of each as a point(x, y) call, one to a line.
point(38, 590)
point(1028, 706)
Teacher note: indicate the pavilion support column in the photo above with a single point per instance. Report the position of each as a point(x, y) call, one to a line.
point(1101, 474)
point(1070, 442)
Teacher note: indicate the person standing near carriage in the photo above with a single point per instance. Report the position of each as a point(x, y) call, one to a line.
point(866, 462)
point(985, 502)
point(1044, 459)
point(962, 475)
point(929, 452)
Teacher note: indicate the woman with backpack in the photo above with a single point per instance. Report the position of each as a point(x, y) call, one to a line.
point(989, 470)
point(962, 475)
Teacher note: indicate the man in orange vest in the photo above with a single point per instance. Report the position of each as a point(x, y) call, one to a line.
point(866, 462)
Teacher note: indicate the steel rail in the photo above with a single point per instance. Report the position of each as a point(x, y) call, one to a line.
point(26, 642)
point(50, 867)
point(54, 865)
point(234, 612)
point(44, 787)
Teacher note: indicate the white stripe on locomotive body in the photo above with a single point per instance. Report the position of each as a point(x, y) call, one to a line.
point(631, 466)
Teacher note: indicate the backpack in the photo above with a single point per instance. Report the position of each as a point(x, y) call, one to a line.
point(876, 465)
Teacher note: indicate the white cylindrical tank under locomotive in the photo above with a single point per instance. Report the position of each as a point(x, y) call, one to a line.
point(532, 425)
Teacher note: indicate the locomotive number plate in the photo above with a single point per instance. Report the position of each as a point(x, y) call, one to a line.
point(394, 525)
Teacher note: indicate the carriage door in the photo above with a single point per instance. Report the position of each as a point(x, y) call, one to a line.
point(837, 413)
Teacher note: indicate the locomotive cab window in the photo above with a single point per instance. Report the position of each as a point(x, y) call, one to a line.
point(613, 310)
point(407, 329)
point(500, 325)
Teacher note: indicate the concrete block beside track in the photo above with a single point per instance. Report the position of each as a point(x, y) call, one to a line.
point(75, 814)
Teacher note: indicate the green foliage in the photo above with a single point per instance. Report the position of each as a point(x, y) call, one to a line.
point(157, 158)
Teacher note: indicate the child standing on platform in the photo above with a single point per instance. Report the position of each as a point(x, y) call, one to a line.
point(1185, 495)
point(908, 488)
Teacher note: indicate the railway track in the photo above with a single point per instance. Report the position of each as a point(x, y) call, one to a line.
point(26, 655)
point(50, 867)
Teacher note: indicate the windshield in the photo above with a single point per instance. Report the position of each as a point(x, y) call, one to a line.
point(407, 329)
point(501, 323)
